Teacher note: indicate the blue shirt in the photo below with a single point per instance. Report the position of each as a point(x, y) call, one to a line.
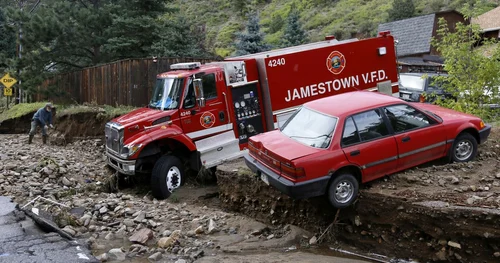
point(43, 116)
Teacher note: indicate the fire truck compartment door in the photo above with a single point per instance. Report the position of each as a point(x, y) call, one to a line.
point(247, 111)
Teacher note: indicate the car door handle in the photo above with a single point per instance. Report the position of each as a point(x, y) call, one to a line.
point(354, 153)
point(405, 139)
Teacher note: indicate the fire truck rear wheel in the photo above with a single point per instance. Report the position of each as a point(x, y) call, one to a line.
point(167, 175)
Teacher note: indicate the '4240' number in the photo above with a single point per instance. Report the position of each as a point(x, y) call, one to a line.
point(276, 62)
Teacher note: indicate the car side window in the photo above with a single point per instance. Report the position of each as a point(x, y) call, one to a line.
point(350, 134)
point(370, 125)
point(404, 118)
point(189, 98)
point(209, 86)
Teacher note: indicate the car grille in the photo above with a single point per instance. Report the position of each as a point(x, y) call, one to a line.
point(114, 137)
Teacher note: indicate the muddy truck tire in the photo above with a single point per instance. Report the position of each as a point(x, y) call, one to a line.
point(168, 175)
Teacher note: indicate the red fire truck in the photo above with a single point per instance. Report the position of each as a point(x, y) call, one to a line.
point(202, 115)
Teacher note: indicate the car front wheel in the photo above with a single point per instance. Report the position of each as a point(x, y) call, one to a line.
point(167, 175)
point(464, 148)
point(343, 191)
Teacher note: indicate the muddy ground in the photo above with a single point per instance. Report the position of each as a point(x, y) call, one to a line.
point(436, 212)
point(433, 213)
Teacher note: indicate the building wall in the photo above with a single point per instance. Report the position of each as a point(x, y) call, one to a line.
point(452, 18)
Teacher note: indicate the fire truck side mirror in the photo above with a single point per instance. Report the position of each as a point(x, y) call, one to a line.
point(198, 90)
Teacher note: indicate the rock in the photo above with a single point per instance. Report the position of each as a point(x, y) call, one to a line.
point(109, 236)
point(166, 242)
point(441, 182)
point(270, 237)
point(155, 257)
point(181, 261)
point(454, 244)
point(455, 180)
point(121, 233)
point(141, 216)
point(102, 257)
point(473, 199)
point(116, 254)
point(357, 220)
point(142, 236)
point(197, 255)
point(66, 182)
point(190, 233)
point(166, 233)
point(473, 188)
point(212, 227)
point(199, 230)
point(441, 255)
point(497, 176)
point(313, 240)
point(129, 222)
point(69, 230)
point(103, 210)
point(496, 254)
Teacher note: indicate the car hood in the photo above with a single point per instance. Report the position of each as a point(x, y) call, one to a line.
point(444, 113)
point(280, 145)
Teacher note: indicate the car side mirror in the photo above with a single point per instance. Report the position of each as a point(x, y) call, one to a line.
point(198, 90)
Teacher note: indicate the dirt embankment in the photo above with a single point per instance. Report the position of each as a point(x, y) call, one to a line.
point(437, 212)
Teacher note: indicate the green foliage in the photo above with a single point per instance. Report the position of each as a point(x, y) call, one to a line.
point(294, 34)
point(7, 43)
point(22, 109)
point(251, 41)
point(178, 39)
point(401, 9)
point(473, 78)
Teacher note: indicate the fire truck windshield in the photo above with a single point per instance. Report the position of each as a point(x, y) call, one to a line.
point(166, 94)
point(310, 127)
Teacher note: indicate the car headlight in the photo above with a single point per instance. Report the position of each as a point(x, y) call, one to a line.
point(129, 150)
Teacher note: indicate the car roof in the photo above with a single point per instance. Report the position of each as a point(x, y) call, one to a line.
point(351, 102)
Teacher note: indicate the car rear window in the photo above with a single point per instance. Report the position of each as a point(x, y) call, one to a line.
point(310, 127)
point(412, 82)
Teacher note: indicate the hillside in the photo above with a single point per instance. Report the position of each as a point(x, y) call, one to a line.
point(343, 18)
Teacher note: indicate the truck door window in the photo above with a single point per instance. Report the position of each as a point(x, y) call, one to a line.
point(404, 118)
point(209, 87)
point(370, 125)
point(190, 97)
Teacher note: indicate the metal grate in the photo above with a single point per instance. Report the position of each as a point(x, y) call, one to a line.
point(114, 137)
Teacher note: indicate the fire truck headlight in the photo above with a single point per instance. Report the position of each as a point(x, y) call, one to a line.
point(129, 150)
point(250, 128)
point(382, 51)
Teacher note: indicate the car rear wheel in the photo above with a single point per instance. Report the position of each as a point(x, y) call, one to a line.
point(167, 175)
point(343, 191)
point(464, 148)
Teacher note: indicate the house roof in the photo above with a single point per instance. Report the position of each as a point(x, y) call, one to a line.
point(489, 21)
point(413, 34)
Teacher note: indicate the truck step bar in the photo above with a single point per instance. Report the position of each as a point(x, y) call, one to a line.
point(217, 149)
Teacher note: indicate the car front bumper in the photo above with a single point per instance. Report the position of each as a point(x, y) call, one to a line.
point(484, 133)
point(311, 188)
point(123, 166)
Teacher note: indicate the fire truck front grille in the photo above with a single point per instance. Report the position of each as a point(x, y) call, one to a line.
point(114, 137)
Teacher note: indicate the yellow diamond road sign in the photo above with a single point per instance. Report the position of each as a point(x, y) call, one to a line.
point(8, 81)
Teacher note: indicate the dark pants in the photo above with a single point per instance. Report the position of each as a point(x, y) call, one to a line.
point(34, 124)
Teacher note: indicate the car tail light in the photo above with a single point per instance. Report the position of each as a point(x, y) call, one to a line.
point(422, 98)
point(481, 124)
point(291, 171)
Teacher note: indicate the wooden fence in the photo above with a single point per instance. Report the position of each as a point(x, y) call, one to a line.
point(125, 82)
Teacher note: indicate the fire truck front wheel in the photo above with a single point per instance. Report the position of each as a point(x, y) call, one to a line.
point(167, 175)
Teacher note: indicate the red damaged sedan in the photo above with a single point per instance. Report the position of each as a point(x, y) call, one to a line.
point(332, 145)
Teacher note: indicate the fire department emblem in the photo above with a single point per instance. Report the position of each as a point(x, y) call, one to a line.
point(335, 62)
point(207, 119)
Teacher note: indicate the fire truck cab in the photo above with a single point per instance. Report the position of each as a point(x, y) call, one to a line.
point(202, 115)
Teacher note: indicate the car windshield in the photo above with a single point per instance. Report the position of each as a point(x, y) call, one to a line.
point(310, 127)
point(166, 94)
point(412, 82)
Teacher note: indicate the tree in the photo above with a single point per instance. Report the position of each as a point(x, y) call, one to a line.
point(401, 9)
point(178, 39)
point(251, 41)
point(294, 34)
point(7, 43)
point(473, 77)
